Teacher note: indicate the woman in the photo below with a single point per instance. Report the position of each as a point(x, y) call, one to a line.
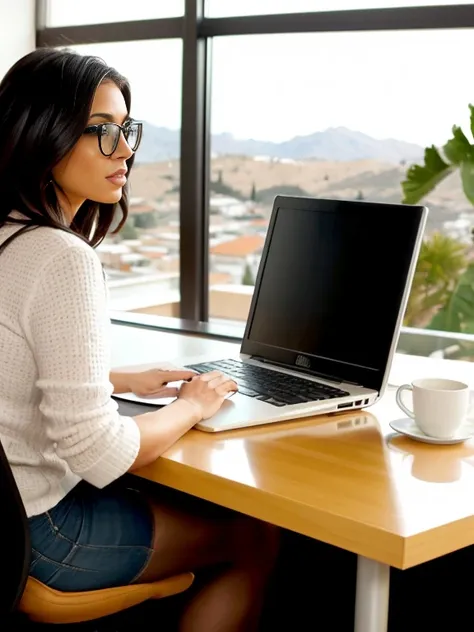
point(66, 150)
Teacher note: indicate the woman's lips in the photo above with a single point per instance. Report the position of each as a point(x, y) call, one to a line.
point(117, 179)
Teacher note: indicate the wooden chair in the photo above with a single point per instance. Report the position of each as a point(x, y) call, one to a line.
point(43, 604)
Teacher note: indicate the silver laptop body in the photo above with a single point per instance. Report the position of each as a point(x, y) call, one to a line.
point(330, 295)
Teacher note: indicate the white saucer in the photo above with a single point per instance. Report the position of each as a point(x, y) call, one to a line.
point(409, 428)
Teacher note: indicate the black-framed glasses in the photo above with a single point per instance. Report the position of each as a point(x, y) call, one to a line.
point(109, 135)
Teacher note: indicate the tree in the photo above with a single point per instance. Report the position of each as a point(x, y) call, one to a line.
point(247, 278)
point(360, 196)
point(145, 220)
point(253, 193)
point(128, 230)
point(219, 176)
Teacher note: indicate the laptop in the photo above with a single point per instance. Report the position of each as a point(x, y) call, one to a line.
point(323, 326)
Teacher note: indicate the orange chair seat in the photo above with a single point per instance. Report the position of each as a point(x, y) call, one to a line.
point(46, 605)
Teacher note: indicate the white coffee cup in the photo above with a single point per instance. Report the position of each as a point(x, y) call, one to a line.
point(439, 406)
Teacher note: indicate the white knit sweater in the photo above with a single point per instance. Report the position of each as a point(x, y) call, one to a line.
point(58, 423)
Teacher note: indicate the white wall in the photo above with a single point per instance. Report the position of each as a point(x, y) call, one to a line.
point(17, 31)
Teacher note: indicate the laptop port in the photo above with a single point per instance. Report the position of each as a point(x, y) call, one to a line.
point(358, 402)
point(366, 401)
point(346, 405)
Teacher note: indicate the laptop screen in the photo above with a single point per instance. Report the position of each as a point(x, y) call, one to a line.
point(331, 285)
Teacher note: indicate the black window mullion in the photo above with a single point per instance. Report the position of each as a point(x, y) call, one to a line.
point(194, 217)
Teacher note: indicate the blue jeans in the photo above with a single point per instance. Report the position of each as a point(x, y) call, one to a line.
point(92, 539)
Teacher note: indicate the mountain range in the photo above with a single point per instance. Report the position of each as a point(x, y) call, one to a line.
point(335, 143)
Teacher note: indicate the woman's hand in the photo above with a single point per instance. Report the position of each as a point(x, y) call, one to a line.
point(207, 392)
point(154, 382)
point(197, 400)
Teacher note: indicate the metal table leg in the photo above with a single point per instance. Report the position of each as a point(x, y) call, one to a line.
point(372, 596)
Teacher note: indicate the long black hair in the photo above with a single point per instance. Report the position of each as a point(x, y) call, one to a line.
point(45, 102)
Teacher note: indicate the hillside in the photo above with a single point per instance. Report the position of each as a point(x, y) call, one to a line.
point(376, 180)
point(339, 143)
point(237, 176)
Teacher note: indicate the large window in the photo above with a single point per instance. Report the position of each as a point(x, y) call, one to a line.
point(223, 8)
point(74, 12)
point(142, 261)
point(338, 115)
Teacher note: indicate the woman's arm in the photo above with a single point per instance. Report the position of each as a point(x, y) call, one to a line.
point(160, 429)
point(67, 326)
point(198, 399)
point(150, 382)
point(120, 381)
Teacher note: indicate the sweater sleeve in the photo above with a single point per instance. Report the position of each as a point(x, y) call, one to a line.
point(67, 326)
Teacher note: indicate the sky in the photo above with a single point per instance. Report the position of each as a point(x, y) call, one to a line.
point(411, 85)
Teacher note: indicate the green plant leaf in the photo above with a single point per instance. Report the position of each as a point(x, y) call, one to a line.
point(441, 262)
point(446, 320)
point(422, 179)
point(458, 313)
point(467, 179)
point(471, 108)
point(458, 148)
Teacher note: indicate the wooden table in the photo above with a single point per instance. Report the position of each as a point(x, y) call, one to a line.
point(344, 479)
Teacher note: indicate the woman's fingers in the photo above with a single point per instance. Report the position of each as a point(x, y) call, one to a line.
point(164, 391)
point(211, 375)
point(224, 385)
point(218, 380)
point(178, 376)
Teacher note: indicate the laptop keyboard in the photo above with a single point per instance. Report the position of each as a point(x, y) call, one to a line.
point(273, 387)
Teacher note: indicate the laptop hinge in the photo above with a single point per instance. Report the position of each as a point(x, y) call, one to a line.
point(299, 369)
